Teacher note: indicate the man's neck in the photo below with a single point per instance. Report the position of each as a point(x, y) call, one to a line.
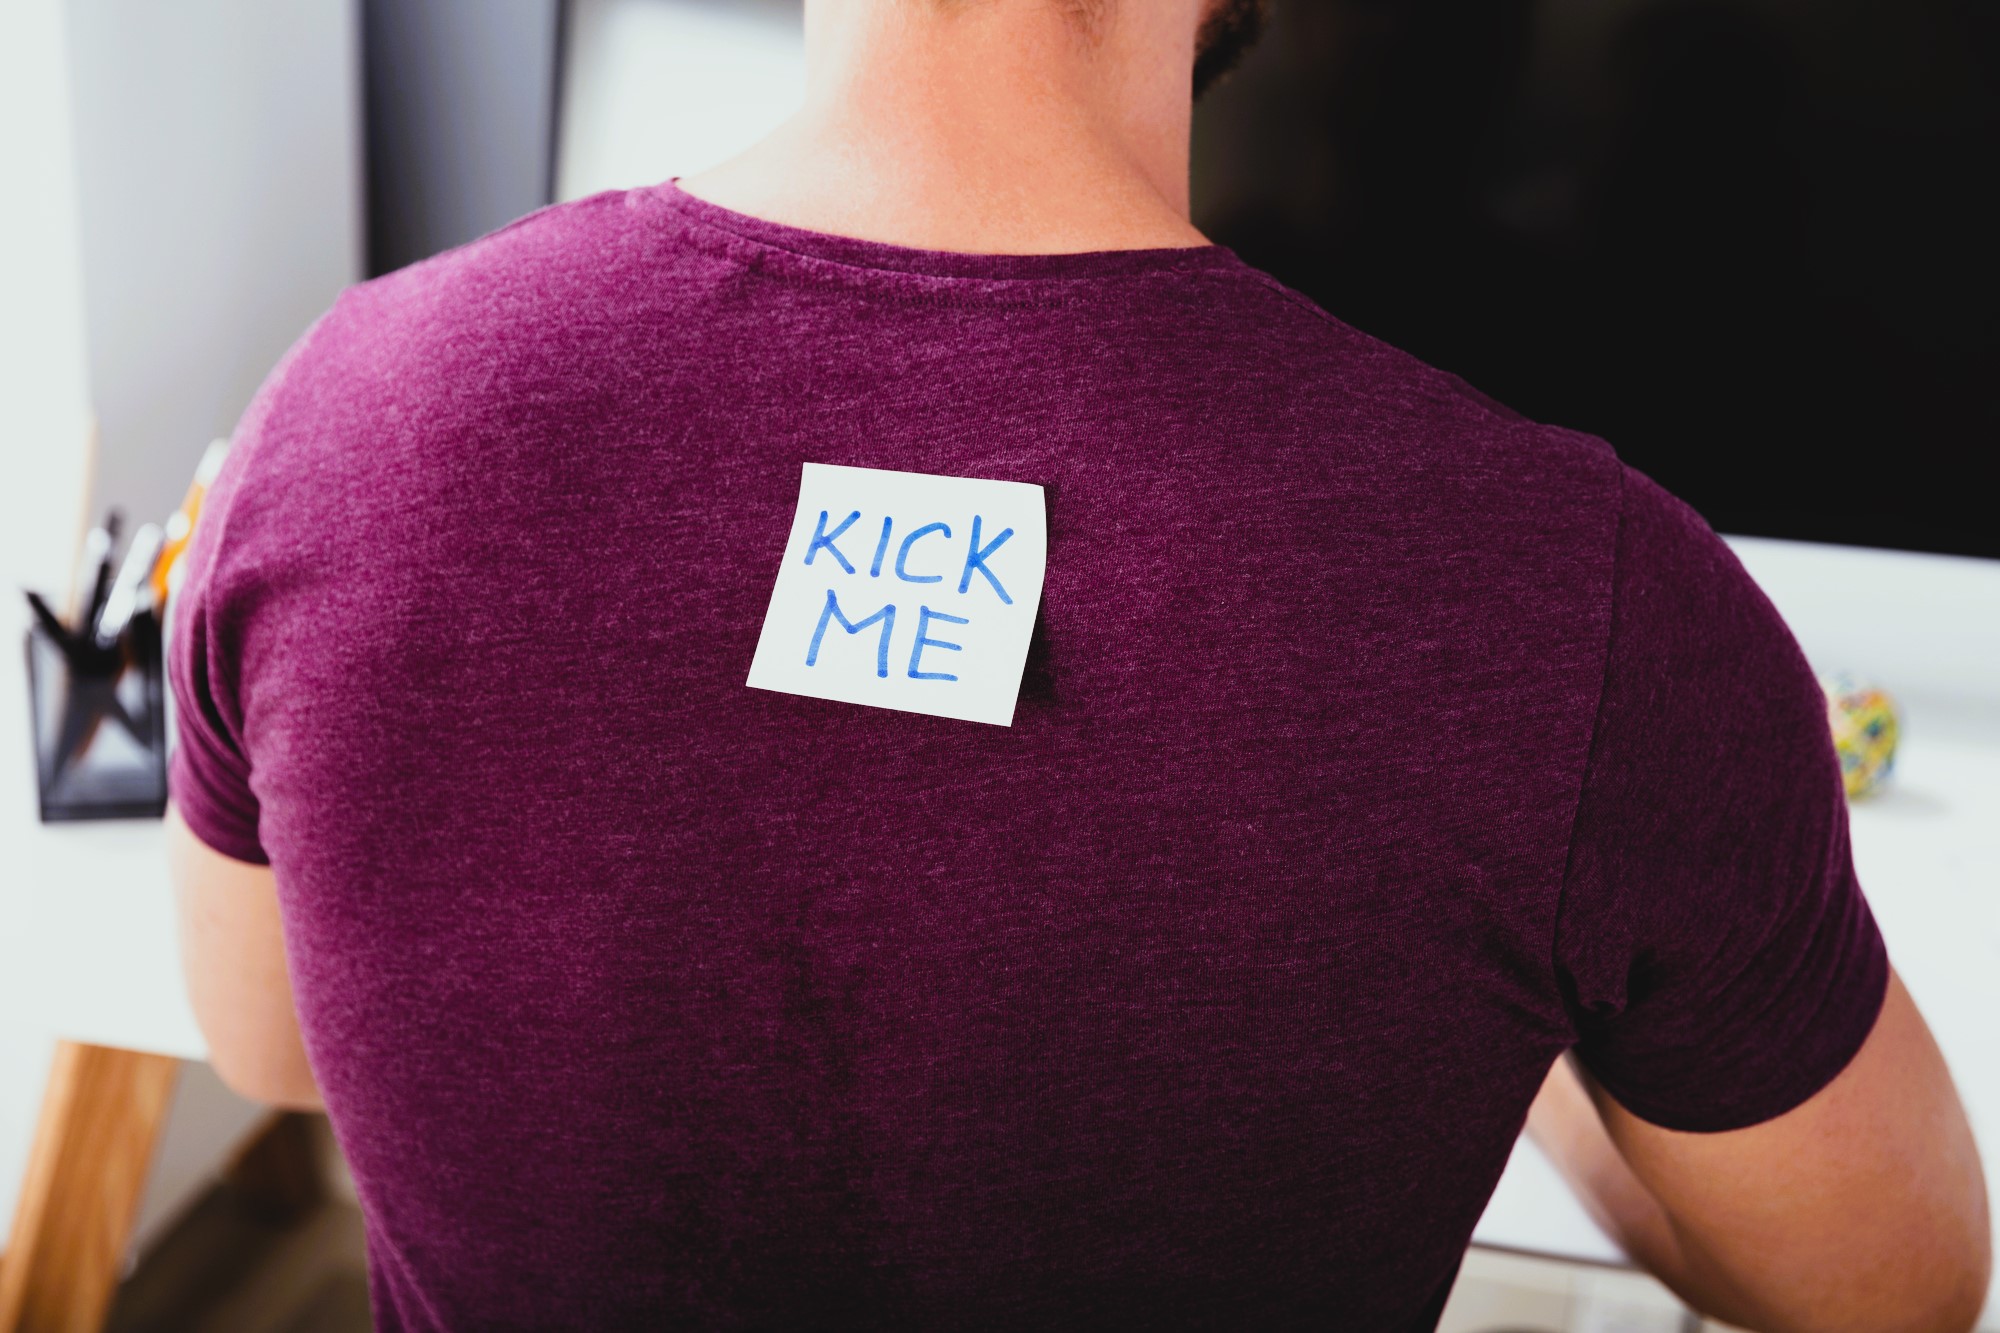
point(999, 127)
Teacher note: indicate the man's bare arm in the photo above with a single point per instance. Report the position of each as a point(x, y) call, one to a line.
point(1862, 1210)
point(234, 957)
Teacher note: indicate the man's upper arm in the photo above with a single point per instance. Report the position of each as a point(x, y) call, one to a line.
point(232, 947)
point(1862, 1208)
point(233, 952)
point(1731, 997)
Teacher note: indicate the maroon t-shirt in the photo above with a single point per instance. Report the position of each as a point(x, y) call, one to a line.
point(1375, 746)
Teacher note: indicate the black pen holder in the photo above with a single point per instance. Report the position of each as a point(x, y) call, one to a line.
point(100, 727)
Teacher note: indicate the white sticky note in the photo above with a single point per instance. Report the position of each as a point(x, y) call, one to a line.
point(908, 591)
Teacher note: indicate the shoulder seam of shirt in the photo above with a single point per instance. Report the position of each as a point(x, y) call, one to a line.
point(265, 405)
point(1596, 727)
point(458, 253)
point(1456, 383)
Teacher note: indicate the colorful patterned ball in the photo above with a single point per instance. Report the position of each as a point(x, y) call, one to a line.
point(1865, 727)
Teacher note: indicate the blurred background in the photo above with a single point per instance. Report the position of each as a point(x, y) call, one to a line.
point(1750, 242)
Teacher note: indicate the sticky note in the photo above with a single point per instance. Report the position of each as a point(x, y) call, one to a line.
point(907, 591)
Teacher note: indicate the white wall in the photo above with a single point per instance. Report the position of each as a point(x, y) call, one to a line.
point(660, 88)
point(218, 147)
point(181, 199)
point(42, 366)
point(43, 396)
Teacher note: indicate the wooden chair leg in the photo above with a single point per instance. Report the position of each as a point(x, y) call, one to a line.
point(100, 1118)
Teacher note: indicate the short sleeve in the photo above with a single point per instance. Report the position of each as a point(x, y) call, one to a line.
point(223, 589)
point(1720, 961)
point(208, 776)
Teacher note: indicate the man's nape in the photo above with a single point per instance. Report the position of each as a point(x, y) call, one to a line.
point(1004, 127)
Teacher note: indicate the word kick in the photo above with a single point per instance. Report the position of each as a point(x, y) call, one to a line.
point(977, 554)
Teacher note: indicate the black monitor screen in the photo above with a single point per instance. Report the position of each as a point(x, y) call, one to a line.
point(1749, 242)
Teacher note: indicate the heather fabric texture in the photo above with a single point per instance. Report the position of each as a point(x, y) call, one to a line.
point(1376, 746)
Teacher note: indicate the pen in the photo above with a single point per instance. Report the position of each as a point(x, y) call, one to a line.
point(123, 598)
point(180, 526)
point(94, 574)
point(83, 655)
point(51, 622)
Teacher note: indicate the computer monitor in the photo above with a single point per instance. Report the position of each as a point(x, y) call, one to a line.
point(1750, 243)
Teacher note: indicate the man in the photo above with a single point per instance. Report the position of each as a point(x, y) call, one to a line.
point(1376, 748)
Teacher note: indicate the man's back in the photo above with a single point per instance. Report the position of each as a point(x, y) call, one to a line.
point(1214, 990)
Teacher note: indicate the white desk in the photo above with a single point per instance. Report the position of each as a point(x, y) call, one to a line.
point(86, 926)
point(86, 914)
point(88, 969)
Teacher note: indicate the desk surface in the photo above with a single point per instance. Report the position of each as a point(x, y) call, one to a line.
point(87, 933)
